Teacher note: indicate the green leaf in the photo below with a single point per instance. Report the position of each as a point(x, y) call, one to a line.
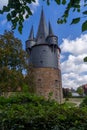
point(84, 26)
point(85, 12)
point(60, 21)
point(27, 16)
point(74, 10)
point(85, 4)
point(28, 10)
point(20, 29)
point(34, 0)
point(77, 6)
point(8, 17)
point(16, 19)
point(13, 13)
point(78, 10)
point(48, 2)
point(1, 12)
point(58, 2)
point(76, 20)
point(20, 17)
point(6, 9)
point(64, 20)
point(63, 2)
point(66, 13)
point(85, 59)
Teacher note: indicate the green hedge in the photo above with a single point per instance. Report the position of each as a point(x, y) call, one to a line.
point(29, 112)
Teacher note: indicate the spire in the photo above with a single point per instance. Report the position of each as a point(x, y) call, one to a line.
point(42, 29)
point(50, 29)
point(31, 36)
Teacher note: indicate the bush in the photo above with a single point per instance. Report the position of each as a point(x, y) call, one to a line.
point(84, 102)
point(30, 112)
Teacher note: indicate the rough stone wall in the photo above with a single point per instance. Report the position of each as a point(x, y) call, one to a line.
point(48, 81)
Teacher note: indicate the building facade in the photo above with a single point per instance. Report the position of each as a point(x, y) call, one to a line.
point(44, 56)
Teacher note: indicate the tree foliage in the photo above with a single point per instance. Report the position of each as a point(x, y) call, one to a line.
point(19, 10)
point(12, 62)
point(85, 59)
point(80, 91)
point(12, 54)
point(30, 79)
point(74, 6)
point(66, 93)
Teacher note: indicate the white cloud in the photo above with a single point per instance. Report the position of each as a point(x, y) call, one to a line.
point(77, 46)
point(73, 80)
point(3, 2)
point(73, 66)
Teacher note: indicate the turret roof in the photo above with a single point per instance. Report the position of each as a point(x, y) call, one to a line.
point(42, 29)
point(50, 30)
point(31, 36)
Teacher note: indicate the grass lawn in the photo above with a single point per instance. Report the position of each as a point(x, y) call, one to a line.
point(75, 101)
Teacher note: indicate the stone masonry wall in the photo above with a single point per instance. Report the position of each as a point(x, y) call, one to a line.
point(48, 80)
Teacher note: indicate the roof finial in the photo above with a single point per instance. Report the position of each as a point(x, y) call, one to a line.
point(31, 36)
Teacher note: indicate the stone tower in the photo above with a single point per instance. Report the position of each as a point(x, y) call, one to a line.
point(44, 55)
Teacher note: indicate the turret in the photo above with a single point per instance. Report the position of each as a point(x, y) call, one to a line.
point(31, 41)
point(51, 38)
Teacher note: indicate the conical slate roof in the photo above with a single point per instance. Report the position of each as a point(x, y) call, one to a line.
point(42, 29)
point(50, 30)
point(31, 36)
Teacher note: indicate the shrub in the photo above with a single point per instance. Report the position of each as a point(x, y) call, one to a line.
point(30, 112)
point(84, 102)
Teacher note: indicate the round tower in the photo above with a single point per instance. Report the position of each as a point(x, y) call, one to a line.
point(44, 56)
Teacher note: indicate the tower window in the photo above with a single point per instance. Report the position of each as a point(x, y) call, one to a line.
point(39, 79)
point(41, 61)
point(56, 83)
point(56, 80)
point(44, 50)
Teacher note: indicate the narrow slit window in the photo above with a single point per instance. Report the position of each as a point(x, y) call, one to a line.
point(41, 61)
point(39, 79)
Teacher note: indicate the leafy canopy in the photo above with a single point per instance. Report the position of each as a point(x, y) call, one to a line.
point(12, 62)
point(80, 91)
point(12, 54)
point(19, 10)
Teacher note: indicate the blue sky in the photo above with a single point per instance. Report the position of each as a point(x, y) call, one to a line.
point(72, 41)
